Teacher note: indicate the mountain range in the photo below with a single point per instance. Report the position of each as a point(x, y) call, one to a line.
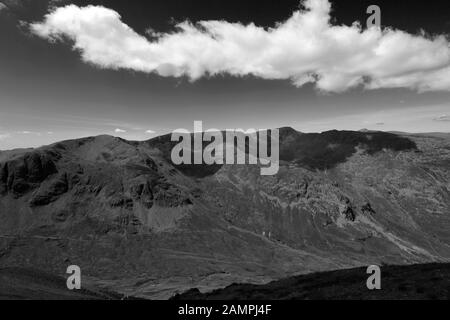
point(140, 226)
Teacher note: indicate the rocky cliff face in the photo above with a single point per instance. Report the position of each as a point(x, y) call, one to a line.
point(135, 223)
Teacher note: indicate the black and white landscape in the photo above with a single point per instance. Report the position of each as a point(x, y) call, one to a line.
point(90, 92)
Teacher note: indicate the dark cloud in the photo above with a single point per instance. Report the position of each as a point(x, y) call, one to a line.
point(29, 10)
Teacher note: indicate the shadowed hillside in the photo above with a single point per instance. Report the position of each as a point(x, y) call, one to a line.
point(415, 282)
point(327, 149)
point(309, 150)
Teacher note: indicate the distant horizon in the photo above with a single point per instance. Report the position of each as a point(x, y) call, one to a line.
point(168, 133)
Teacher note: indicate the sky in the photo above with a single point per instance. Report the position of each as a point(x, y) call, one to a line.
point(71, 69)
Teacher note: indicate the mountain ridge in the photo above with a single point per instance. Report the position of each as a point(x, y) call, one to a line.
point(168, 134)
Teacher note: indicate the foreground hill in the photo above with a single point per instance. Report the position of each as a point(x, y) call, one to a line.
point(413, 282)
point(140, 226)
point(426, 281)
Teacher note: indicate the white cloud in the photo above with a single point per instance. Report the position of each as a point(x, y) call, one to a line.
point(150, 131)
point(119, 130)
point(306, 48)
point(3, 6)
point(29, 132)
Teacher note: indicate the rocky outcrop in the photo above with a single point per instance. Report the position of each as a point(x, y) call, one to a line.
point(24, 173)
point(168, 195)
point(367, 209)
point(348, 212)
point(50, 190)
point(143, 192)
